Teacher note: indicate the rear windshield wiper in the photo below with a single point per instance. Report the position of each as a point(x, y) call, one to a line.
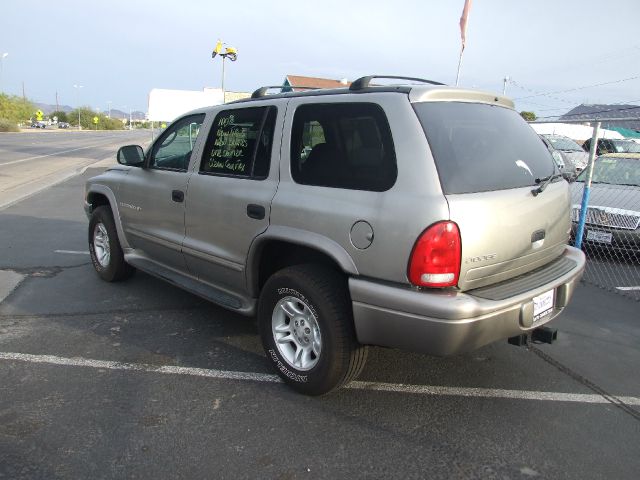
point(544, 182)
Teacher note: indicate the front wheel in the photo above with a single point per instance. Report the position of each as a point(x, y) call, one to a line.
point(307, 331)
point(104, 247)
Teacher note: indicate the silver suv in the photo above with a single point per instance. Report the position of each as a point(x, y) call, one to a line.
point(421, 217)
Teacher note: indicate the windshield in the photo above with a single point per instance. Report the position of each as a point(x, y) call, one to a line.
point(481, 148)
point(563, 143)
point(626, 146)
point(614, 171)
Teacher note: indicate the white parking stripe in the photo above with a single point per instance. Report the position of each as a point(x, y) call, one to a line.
point(628, 289)
point(72, 252)
point(489, 393)
point(357, 385)
point(139, 367)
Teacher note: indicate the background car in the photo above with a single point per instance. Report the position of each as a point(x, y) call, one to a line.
point(613, 216)
point(611, 145)
point(63, 125)
point(569, 156)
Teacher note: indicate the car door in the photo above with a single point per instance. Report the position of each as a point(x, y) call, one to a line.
point(230, 193)
point(151, 199)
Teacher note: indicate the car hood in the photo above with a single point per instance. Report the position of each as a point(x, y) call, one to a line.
point(605, 195)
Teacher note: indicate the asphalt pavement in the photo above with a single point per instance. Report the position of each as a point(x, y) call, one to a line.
point(142, 380)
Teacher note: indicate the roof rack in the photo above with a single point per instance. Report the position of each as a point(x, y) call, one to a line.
point(262, 91)
point(363, 82)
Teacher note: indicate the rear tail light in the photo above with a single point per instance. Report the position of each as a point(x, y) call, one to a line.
point(435, 259)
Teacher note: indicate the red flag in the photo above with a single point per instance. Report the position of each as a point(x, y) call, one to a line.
point(463, 21)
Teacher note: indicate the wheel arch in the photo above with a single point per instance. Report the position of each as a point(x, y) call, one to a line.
point(280, 247)
point(101, 195)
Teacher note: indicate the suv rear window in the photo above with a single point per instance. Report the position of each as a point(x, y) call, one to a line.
point(343, 145)
point(481, 148)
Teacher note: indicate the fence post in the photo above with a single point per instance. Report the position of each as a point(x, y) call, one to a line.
point(587, 185)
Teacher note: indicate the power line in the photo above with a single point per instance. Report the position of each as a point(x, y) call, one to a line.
point(561, 108)
point(548, 94)
point(589, 115)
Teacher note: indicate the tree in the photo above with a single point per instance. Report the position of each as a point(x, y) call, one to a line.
point(62, 116)
point(529, 116)
point(86, 120)
point(15, 109)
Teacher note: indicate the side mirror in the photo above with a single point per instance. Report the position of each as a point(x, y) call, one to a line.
point(131, 155)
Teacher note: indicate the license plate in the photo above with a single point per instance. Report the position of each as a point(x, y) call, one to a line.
point(542, 305)
point(597, 236)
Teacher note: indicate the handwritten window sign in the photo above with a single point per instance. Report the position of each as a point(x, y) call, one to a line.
point(232, 143)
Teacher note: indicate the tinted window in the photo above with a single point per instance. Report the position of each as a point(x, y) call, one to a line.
point(240, 143)
point(173, 149)
point(479, 148)
point(343, 145)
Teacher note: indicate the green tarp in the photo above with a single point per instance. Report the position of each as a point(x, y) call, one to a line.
point(625, 132)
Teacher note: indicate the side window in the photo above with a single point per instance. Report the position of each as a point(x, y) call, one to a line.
point(173, 149)
point(343, 145)
point(240, 143)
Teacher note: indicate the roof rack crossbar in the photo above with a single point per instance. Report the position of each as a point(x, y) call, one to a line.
point(364, 82)
point(262, 91)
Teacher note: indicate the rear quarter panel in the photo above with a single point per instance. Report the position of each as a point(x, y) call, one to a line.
point(397, 216)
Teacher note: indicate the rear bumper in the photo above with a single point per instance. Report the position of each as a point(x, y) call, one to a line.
point(447, 322)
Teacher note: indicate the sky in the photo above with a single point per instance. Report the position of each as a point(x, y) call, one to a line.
point(554, 52)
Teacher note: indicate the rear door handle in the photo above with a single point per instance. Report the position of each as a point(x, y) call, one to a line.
point(177, 196)
point(255, 211)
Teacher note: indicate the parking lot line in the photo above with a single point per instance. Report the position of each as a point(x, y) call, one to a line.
point(72, 252)
point(357, 385)
point(628, 289)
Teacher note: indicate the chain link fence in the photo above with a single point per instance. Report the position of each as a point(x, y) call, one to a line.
point(604, 178)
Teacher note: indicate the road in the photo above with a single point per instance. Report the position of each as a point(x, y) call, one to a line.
point(33, 160)
point(142, 380)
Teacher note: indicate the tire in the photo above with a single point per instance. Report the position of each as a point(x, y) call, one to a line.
point(309, 305)
point(104, 247)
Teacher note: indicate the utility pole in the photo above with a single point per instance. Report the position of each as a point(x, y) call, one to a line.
point(504, 85)
point(78, 87)
point(24, 97)
point(57, 105)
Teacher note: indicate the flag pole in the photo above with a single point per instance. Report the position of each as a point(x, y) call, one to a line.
point(463, 34)
point(459, 67)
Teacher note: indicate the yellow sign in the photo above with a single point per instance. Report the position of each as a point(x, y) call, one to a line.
point(39, 115)
point(95, 120)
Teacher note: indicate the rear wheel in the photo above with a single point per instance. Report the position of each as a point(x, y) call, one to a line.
point(104, 247)
point(307, 331)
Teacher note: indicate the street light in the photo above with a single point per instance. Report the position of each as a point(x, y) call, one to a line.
point(230, 52)
point(109, 102)
point(78, 87)
point(2, 57)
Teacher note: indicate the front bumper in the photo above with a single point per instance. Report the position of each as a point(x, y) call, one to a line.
point(621, 240)
point(448, 322)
